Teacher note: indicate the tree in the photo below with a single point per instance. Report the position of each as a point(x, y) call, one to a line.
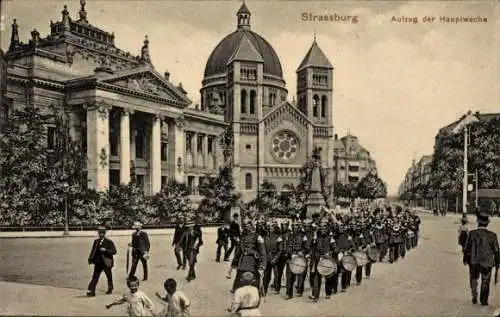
point(371, 187)
point(172, 202)
point(35, 179)
point(219, 193)
point(128, 204)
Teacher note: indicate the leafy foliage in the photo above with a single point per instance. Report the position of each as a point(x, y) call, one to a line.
point(371, 187)
point(172, 203)
point(219, 193)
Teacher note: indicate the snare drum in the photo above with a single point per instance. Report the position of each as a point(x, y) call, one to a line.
point(326, 267)
point(298, 264)
point(361, 258)
point(349, 262)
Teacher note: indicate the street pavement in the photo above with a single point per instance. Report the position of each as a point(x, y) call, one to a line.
point(50, 276)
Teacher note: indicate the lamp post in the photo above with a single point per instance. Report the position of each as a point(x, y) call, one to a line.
point(463, 124)
point(66, 224)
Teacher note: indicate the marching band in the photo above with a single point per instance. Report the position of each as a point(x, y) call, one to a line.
point(329, 247)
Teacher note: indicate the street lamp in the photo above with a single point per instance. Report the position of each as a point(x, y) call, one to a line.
point(463, 124)
point(66, 224)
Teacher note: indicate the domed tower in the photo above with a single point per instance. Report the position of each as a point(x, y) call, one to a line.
point(243, 80)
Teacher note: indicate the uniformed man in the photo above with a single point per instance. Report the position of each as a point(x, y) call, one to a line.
point(250, 255)
point(274, 247)
point(295, 246)
point(395, 241)
point(285, 234)
point(360, 244)
point(346, 246)
point(320, 249)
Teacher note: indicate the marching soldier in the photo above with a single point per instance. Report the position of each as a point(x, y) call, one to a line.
point(360, 243)
point(346, 246)
point(395, 241)
point(320, 249)
point(250, 255)
point(310, 231)
point(368, 236)
point(285, 234)
point(295, 246)
point(274, 246)
point(332, 284)
point(222, 241)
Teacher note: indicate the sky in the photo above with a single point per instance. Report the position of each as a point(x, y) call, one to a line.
point(395, 84)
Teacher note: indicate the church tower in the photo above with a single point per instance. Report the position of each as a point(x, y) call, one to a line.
point(244, 86)
point(315, 86)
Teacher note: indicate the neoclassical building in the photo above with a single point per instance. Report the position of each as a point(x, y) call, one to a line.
point(130, 117)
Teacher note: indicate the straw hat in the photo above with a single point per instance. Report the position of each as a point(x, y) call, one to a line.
point(137, 225)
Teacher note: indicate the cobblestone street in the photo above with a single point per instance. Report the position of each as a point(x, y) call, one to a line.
point(430, 281)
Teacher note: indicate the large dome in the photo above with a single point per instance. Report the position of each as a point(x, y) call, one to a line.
point(217, 61)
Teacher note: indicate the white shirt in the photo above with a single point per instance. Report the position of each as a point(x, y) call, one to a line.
point(246, 297)
point(138, 303)
point(174, 308)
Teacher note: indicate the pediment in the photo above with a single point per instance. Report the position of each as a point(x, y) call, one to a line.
point(145, 81)
point(286, 112)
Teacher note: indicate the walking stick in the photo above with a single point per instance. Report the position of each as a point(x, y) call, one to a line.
point(128, 261)
point(496, 275)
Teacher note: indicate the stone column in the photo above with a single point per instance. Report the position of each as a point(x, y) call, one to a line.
point(155, 155)
point(194, 148)
point(176, 149)
point(205, 151)
point(125, 146)
point(98, 146)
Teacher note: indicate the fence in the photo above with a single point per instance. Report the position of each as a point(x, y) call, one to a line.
point(93, 228)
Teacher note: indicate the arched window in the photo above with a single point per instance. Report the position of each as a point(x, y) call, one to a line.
point(315, 105)
point(323, 106)
point(253, 96)
point(243, 101)
point(248, 181)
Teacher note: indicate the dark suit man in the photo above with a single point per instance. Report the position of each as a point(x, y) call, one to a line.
point(234, 235)
point(140, 250)
point(191, 243)
point(180, 254)
point(101, 255)
point(481, 253)
point(222, 241)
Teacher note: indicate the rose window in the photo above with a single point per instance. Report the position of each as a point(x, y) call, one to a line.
point(285, 145)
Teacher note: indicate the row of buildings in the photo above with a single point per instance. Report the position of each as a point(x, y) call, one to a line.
point(419, 174)
point(130, 116)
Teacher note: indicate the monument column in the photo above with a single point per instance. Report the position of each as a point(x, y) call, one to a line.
point(125, 146)
point(176, 149)
point(205, 151)
point(98, 146)
point(155, 155)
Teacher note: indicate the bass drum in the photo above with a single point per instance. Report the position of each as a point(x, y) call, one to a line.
point(349, 262)
point(361, 258)
point(326, 267)
point(298, 264)
point(372, 253)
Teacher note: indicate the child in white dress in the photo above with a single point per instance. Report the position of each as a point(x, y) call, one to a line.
point(138, 302)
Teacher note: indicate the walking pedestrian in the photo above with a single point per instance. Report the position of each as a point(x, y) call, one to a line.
point(101, 255)
point(140, 250)
point(222, 241)
point(234, 236)
point(180, 255)
point(481, 253)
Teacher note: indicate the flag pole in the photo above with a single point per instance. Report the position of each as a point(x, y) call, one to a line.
point(464, 188)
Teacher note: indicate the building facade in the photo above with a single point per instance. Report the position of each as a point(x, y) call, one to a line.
point(130, 117)
point(352, 161)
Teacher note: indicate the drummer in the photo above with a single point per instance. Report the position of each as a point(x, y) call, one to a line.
point(295, 247)
point(345, 245)
point(320, 250)
point(360, 243)
point(310, 232)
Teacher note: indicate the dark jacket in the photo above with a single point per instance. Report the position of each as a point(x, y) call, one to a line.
point(482, 248)
point(96, 255)
point(192, 241)
point(140, 243)
point(178, 233)
point(234, 230)
point(222, 235)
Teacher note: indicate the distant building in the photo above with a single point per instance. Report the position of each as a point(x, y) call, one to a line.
point(352, 161)
point(4, 101)
point(418, 174)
